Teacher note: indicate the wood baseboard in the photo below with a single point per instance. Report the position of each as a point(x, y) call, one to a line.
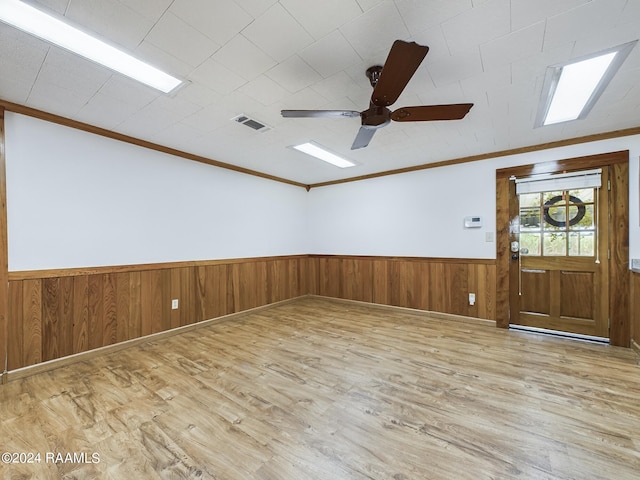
point(425, 313)
point(19, 373)
point(636, 348)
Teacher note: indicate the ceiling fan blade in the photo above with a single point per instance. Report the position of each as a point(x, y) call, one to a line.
point(319, 113)
point(426, 113)
point(402, 62)
point(363, 138)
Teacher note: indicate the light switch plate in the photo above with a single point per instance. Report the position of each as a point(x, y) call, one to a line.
point(635, 263)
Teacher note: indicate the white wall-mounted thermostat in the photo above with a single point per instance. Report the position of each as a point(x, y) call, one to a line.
point(472, 222)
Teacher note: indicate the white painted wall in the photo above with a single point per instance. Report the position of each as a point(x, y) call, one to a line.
point(421, 213)
point(77, 200)
point(416, 214)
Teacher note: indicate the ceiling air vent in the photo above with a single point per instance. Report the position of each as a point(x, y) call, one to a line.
point(251, 123)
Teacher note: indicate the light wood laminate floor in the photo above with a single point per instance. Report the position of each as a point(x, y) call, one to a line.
point(319, 389)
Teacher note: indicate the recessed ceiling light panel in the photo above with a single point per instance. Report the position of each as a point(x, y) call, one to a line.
point(54, 30)
point(570, 90)
point(315, 150)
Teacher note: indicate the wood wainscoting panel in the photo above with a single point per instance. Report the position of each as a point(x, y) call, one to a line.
point(217, 292)
point(380, 284)
point(25, 323)
point(309, 275)
point(80, 313)
point(32, 324)
point(52, 317)
point(156, 304)
point(109, 320)
point(408, 283)
point(123, 306)
point(16, 325)
point(96, 311)
point(432, 284)
point(482, 279)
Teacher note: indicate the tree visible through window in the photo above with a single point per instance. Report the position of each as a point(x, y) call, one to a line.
point(558, 223)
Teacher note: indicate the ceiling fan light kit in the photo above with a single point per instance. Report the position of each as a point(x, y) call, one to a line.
point(388, 82)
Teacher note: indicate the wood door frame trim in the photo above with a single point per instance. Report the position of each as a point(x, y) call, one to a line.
point(619, 281)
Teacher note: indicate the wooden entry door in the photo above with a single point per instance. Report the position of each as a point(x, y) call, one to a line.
point(559, 267)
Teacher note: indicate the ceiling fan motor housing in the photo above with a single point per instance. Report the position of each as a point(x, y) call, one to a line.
point(376, 117)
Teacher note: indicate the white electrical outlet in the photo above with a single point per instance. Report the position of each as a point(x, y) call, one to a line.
point(635, 264)
point(174, 304)
point(472, 299)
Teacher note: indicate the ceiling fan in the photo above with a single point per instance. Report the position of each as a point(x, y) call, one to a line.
point(388, 82)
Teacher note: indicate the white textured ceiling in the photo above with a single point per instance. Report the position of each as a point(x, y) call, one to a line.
point(260, 56)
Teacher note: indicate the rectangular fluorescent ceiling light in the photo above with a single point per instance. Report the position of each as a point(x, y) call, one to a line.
point(315, 150)
point(51, 29)
point(570, 90)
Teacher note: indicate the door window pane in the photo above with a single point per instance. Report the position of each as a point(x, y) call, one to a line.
point(586, 218)
point(530, 219)
point(530, 244)
point(555, 218)
point(554, 244)
point(582, 244)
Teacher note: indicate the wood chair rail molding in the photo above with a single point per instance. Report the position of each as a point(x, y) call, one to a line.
point(75, 271)
point(480, 261)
